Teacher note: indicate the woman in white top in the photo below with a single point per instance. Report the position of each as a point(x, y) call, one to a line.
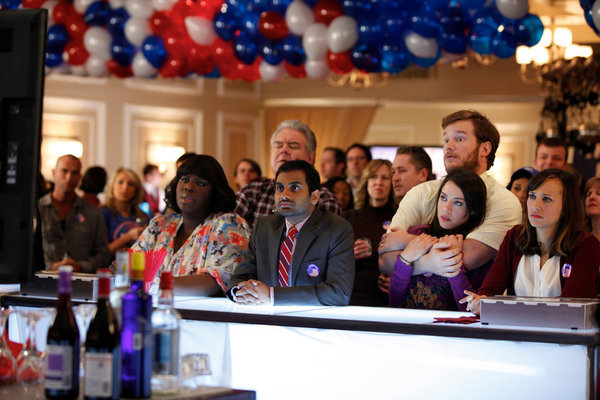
point(549, 255)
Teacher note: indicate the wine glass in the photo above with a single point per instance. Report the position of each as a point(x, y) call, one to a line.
point(7, 361)
point(83, 316)
point(30, 370)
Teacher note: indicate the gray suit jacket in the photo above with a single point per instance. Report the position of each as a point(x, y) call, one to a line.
point(325, 240)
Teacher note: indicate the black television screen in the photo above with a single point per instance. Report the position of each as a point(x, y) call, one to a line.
point(22, 56)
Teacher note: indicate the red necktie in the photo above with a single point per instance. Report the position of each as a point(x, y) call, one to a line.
point(285, 258)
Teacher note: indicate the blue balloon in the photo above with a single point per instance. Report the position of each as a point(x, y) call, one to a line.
point(425, 22)
point(394, 58)
point(369, 31)
point(53, 59)
point(529, 30)
point(395, 22)
point(97, 13)
point(366, 58)
point(455, 43)
point(10, 4)
point(438, 4)
point(271, 52)
point(427, 62)
point(122, 51)
point(213, 74)
point(311, 3)
point(292, 49)
point(278, 5)
point(244, 48)
point(504, 44)
point(56, 38)
point(590, 20)
point(250, 23)
point(358, 9)
point(259, 6)
point(480, 38)
point(153, 48)
point(586, 4)
point(226, 22)
point(472, 4)
point(240, 5)
point(455, 19)
point(116, 21)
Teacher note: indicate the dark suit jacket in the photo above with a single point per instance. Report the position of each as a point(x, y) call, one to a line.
point(325, 240)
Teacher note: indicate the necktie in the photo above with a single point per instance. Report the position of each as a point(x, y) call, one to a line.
point(285, 257)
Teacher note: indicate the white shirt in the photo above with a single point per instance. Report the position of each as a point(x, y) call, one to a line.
point(531, 280)
point(503, 210)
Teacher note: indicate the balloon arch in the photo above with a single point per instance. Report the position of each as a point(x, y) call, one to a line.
point(267, 39)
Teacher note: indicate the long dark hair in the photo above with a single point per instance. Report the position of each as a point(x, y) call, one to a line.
point(475, 195)
point(206, 167)
point(570, 223)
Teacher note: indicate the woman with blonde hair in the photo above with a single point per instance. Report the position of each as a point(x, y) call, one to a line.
point(592, 206)
point(373, 210)
point(124, 219)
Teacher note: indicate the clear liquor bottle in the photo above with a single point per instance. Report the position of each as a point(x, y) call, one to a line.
point(165, 329)
point(121, 282)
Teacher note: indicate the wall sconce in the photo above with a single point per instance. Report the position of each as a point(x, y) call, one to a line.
point(54, 147)
point(164, 155)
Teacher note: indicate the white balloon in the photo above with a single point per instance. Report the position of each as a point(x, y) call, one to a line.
point(78, 70)
point(314, 41)
point(342, 34)
point(139, 8)
point(421, 46)
point(96, 66)
point(596, 13)
point(114, 4)
point(316, 69)
point(513, 9)
point(49, 5)
point(136, 30)
point(163, 5)
point(200, 30)
point(271, 73)
point(298, 17)
point(96, 41)
point(141, 67)
point(82, 5)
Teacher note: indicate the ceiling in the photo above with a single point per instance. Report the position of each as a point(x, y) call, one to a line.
point(566, 13)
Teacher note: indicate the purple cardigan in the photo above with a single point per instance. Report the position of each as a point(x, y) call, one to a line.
point(403, 274)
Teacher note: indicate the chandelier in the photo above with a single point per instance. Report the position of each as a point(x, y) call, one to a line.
point(552, 52)
point(358, 79)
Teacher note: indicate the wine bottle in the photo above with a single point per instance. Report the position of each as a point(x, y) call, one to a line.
point(136, 335)
point(62, 350)
point(103, 347)
point(121, 282)
point(165, 329)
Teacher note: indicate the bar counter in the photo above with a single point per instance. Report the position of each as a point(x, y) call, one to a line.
point(362, 352)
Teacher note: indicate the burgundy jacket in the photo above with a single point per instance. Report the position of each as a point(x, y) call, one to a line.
point(582, 282)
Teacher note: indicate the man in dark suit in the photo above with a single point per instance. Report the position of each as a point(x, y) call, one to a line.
point(301, 254)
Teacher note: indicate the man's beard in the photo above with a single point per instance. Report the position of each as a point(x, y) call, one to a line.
point(470, 163)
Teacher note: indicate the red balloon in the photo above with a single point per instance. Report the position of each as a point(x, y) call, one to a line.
point(249, 73)
point(33, 3)
point(179, 11)
point(174, 67)
point(119, 70)
point(297, 71)
point(62, 11)
point(340, 63)
point(222, 51)
point(176, 44)
point(272, 25)
point(159, 22)
point(229, 70)
point(76, 26)
point(75, 54)
point(200, 60)
point(205, 8)
point(327, 10)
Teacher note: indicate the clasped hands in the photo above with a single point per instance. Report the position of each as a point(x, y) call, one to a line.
point(252, 292)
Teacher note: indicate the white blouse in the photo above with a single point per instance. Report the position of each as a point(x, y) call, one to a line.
point(531, 280)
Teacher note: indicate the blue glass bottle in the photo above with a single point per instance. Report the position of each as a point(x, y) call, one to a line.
point(136, 335)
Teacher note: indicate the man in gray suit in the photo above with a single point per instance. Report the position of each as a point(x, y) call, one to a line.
point(301, 254)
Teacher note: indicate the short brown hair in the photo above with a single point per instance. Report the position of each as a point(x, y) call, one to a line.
point(485, 131)
point(571, 217)
point(553, 142)
point(418, 157)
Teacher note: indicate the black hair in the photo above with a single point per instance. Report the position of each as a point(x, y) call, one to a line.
point(475, 195)
point(525, 172)
point(148, 168)
point(313, 180)
point(184, 157)
point(331, 183)
point(93, 180)
point(361, 146)
point(206, 167)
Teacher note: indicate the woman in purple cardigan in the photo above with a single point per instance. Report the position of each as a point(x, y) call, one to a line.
point(460, 209)
point(549, 255)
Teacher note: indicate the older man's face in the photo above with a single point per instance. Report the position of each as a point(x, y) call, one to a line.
point(289, 145)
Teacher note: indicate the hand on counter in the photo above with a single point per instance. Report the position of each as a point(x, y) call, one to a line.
point(473, 301)
point(252, 292)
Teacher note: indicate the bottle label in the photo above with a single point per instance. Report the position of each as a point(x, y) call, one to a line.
point(59, 367)
point(98, 374)
point(138, 341)
point(166, 352)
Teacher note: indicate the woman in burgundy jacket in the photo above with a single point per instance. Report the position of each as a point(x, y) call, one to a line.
point(549, 255)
